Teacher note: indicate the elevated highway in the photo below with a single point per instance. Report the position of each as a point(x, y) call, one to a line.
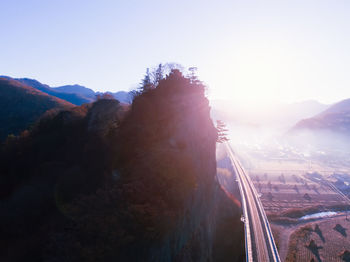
point(259, 242)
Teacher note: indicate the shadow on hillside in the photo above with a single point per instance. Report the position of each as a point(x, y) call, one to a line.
point(296, 189)
point(314, 188)
point(342, 230)
point(314, 249)
point(345, 256)
point(319, 233)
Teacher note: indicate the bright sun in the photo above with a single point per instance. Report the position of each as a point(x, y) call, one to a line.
point(255, 74)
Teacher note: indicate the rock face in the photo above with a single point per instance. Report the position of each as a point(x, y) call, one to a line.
point(191, 133)
point(173, 122)
point(105, 116)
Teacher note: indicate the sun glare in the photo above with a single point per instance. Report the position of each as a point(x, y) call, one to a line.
point(256, 74)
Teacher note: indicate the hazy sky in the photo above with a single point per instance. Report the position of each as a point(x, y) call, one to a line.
point(246, 50)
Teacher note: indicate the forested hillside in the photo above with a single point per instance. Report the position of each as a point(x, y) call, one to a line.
point(111, 182)
point(22, 105)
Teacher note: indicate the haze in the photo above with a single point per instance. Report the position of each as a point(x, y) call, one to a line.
point(248, 51)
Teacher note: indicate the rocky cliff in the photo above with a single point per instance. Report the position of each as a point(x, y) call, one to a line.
point(144, 187)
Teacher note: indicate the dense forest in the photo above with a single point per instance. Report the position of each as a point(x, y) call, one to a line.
point(107, 181)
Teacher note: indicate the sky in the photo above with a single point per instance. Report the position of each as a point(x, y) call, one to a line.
point(247, 51)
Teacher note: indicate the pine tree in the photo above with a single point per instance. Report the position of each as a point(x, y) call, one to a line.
point(146, 83)
point(221, 129)
point(193, 74)
point(158, 74)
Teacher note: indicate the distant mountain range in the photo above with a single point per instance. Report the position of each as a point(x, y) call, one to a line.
point(76, 89)
point(306, 115)
point(75, 94)
point(335, 118)
point(340, 107)
point(283, 115)
point(30, 98)
point(22, 105)
point(23, 101)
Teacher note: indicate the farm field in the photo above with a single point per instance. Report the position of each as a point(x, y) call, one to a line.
point(292, 186)
point(285, 191)
point(322, 240)
point(288, 194)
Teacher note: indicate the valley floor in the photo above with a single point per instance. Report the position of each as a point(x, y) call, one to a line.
point(331, 240)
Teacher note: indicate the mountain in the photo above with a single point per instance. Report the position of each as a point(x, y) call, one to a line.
point(304, 109)
point(340, 107)
point(76, 89)
point(22, 105)
point(73, 98)
point(273, 114)
point(75, 94)
point(335, 118)
point(123, 96)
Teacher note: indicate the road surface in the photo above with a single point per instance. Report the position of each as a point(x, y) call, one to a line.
point(260, 245)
